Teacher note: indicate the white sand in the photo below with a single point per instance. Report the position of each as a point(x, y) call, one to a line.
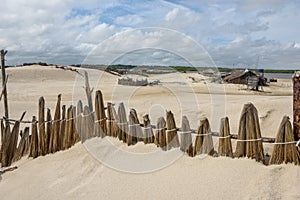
point(76, 174)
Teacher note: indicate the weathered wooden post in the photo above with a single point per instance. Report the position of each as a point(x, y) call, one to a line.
point(123, 124)
point(296, 104)
point(42, 127)
point(34, 139)
point(4, 82)
point(172, 137)
point(88, 91)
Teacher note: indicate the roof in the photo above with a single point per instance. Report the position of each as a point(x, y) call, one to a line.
point(238, 74)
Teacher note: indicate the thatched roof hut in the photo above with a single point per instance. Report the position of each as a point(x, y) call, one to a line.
point(240, 76)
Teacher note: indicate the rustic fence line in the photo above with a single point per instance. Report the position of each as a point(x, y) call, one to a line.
point(72, 124)
point(78, 123)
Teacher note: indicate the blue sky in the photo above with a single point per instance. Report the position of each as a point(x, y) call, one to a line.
point(247, 33)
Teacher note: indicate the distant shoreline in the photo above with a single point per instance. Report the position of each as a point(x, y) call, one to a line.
point(223, 69)
point(176, 68)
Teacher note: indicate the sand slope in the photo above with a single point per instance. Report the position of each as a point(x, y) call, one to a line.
point(74, 174)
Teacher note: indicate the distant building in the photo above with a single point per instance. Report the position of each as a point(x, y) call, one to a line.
point(246, 77)
point(239, 77)
point(131, 82)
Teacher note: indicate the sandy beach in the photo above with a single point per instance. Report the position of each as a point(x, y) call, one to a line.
point(77, 174)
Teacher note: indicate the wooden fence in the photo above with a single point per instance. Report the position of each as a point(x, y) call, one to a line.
point(72, 124)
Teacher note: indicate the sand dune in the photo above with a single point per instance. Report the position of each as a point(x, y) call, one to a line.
point(76, 174)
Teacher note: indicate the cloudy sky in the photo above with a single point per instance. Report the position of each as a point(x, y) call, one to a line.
point(243, 33)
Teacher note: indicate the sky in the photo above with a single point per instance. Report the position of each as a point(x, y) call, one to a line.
point(236, 33)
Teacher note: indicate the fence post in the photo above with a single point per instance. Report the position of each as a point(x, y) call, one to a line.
point(296, 104)
point(41, 127)
point(4, 82)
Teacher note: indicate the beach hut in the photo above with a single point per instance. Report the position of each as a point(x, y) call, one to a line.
point(250, 78)
point(240, 77)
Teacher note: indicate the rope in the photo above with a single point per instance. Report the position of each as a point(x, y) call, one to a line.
point(159, 129)
point(223, 137)
point(293, 142)
point(130, 125)
point(184, 132)
point(167, 131)
point(87, 114)
point(100, 120)
point(70, 119)
point(250, 140)
point(146, 128)
point(203, 134)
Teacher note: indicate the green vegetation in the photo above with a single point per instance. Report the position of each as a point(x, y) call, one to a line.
point(118, 67)
point(279, 71)
point(223, 69)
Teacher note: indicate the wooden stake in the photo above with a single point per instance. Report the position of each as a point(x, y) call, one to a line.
point(225, 146)
point(284, 149)
point(123, 124)
point(250, 142)
point(79, 119)
point(100, 115)
point(135, 123)
point(160, 135)
point(34, 139)
point(56, 126)
point(13, 143)
point(148, 132)
point(42, 134)
point(68, 140)
point(27, 141)
point(88, 91)
point(172, 137)
point(5, 144)
point(2, 139)
point(110, 119)
point(296, 105)
point(76, 135)
point(48, 137)
point(4, 83)
point(186, 144)
point(204, 142)
point(23, 145)
point(88, 123)
point(62, 132)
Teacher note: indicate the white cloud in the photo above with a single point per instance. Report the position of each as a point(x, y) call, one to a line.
point(170, 16)
point(156, 45)
point(232, 31)
point(128, 20)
